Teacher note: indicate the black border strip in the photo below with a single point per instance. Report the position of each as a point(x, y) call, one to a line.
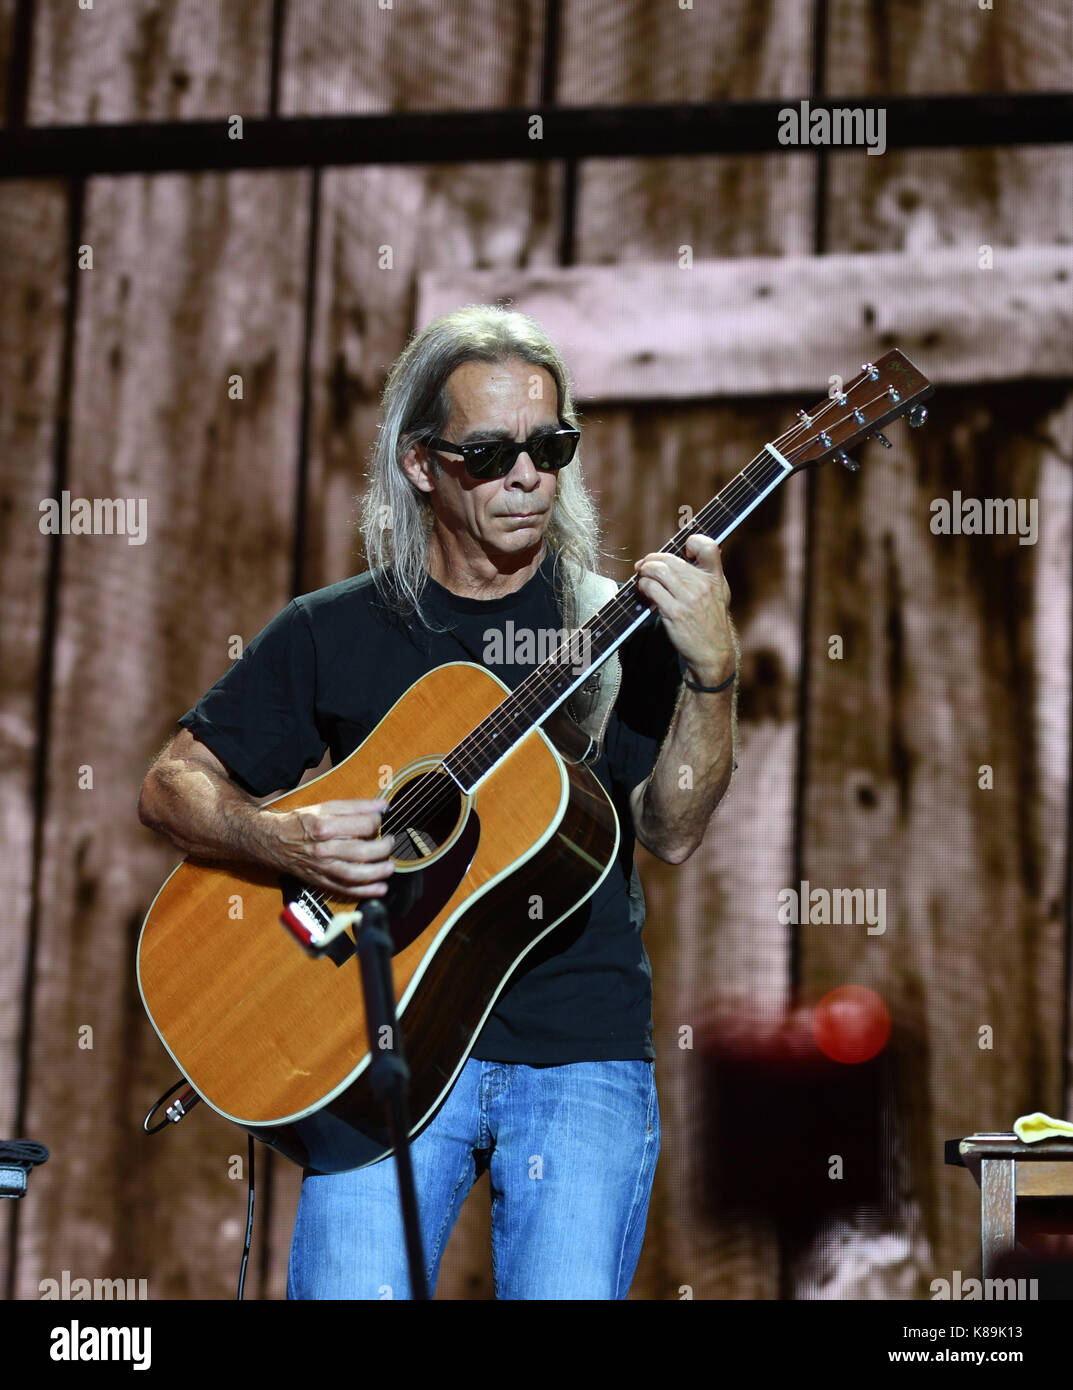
point(454, 137)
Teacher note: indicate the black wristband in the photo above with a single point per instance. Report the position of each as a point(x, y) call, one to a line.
point(705, 689)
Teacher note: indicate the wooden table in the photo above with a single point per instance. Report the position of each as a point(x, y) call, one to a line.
point(1007, 1171)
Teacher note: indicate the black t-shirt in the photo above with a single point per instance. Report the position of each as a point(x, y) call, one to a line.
point(326, 670)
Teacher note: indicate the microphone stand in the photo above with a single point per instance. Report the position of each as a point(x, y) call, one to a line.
point(389, 1075)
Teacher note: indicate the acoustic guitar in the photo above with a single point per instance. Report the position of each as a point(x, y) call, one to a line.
point(488, 807)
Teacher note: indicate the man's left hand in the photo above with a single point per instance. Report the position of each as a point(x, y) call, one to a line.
point(693, 602)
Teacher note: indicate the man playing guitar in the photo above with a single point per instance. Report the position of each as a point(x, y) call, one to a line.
point(476, 527)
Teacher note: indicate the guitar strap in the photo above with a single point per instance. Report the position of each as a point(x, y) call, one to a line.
point(591, 704)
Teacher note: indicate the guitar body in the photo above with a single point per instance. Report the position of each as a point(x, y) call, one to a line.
point(274, 1039)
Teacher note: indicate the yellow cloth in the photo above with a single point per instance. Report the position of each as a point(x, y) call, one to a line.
point(1030, 1128)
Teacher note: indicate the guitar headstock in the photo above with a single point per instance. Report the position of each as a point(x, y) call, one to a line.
point(882, 391)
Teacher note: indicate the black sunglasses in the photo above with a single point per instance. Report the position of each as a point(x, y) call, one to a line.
point(494, 458)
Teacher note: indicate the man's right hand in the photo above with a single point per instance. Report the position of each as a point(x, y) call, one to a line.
point(335, 846)
point(190, 796)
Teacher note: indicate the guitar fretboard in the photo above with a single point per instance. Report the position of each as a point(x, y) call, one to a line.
point(557, 678)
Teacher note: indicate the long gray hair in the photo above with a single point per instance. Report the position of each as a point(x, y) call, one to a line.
point(397, 518)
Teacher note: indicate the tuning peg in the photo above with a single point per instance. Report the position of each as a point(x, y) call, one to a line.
point(884, 440)
point(846, 462)
point(917, 416)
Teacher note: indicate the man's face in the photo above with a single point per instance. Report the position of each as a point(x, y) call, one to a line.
point(508, 515)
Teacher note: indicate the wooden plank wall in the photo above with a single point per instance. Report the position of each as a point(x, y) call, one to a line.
point(716, 950)
point(947, 668)
point(32, 302)
point(717, 328)
point(641, 367)
point(197, 278)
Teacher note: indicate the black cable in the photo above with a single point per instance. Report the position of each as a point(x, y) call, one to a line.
point(24, 1152)
point(249, 1226)
point(182, 1081)
point(17, 1158)
point(155, 1129)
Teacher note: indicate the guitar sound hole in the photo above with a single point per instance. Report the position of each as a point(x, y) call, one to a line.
point(422, 815)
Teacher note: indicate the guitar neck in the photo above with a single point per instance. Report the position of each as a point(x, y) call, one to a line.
point(882, 391)
point(553, 682)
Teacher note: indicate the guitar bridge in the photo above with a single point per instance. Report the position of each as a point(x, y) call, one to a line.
point(307, 919)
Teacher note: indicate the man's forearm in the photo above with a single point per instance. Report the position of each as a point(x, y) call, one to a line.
point(204, 813)
point(336, 845)
point(691, 774)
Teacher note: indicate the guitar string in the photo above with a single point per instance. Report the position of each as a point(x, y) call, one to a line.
point(543, 682)
point(414, 803)
point(528, 698)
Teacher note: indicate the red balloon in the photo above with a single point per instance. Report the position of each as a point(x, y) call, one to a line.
point(851, 1024)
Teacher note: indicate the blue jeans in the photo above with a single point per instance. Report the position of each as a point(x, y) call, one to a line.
point(571, 1153)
